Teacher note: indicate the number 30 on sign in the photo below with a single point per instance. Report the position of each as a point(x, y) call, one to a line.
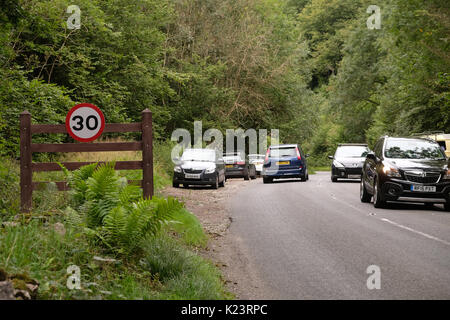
point(85, 122)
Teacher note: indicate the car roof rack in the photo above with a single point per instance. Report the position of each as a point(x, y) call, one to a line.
point(289, 145)
point(352, 144)
point(427, 133)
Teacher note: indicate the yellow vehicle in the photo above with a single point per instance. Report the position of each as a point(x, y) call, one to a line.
point(440, 137)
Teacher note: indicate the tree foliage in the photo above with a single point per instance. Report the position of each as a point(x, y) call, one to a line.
point(311, 68)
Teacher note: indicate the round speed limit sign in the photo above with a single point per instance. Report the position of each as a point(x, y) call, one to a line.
point(85, 122)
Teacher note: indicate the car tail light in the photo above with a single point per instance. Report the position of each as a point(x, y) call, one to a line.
point(240, 162)
point(298, 154)
point(266, 160)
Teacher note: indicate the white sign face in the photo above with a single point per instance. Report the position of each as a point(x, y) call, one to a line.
point(85, 122)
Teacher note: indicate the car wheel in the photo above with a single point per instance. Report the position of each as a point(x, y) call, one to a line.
point(333, 179)
point(267, 180)
point(363, 194)
point(246, 175)
point(447, 205)
point(222, 184)
point(216, 183)
point(378, 201)
point(175, 185)
point(429, 205)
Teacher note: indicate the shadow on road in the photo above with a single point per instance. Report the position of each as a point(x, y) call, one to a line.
point(287, 180)
point(348, 181)
point(199, 187)
point(415, 206)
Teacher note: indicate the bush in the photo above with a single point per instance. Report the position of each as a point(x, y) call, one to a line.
point(47, 103)
point(9, 188)
point(184, 274)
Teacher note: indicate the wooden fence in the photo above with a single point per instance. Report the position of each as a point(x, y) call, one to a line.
point(27, 148)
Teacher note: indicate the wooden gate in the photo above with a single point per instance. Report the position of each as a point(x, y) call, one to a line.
point(27, 148)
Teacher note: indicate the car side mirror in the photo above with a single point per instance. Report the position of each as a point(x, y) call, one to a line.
point(371, 155)
point(330, 157)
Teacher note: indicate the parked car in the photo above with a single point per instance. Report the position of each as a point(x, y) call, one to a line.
point(199, 167)
point(285, 161)
point(348, 161)
point(440, 137)
point(237, 166)
point(410, 169)
point(258, 161)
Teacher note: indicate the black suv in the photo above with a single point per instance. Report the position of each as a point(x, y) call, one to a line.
point(348, 161)
point(408, 169)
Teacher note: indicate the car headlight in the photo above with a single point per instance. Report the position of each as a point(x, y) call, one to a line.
point(177, 169)
point(391, 171)
point(447, 174)
point(337, 164)
point(210, 170)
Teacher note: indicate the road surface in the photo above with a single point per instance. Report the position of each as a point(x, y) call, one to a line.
point(315, 240)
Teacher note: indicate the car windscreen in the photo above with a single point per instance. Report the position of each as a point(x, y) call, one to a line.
point(283, 152)
point(198, 155)
point(256, 158)
point(232, 158)
point(351, 152)
point(413, 149)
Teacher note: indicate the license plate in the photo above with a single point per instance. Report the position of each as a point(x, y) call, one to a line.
point(192, 176)
point(281, 163)
point(423, 188)
point(354, 176)
point(229, 166)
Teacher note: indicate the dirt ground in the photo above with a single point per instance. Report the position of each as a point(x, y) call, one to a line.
point(225, 249)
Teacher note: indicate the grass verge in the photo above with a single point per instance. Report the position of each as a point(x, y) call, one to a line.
point(166, 268)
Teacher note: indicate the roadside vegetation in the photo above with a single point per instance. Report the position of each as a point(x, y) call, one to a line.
point(125, 247)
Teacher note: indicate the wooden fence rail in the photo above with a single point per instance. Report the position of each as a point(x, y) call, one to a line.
point(27, 148)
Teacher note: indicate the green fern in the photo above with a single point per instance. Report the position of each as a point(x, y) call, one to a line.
point(114, 211)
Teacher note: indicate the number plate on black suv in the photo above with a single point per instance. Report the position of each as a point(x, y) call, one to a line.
point(420, 188)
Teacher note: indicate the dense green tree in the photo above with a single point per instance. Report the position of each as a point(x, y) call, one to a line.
point(311, 68)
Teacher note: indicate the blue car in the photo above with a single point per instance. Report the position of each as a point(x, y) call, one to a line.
point(285, 161)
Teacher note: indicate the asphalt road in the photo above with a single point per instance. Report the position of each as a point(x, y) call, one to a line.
point(315, 240)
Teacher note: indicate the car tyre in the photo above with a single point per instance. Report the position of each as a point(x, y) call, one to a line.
point(429, 205)
point(222, 184)
point(447, 206)
point(253, 177)
point(363, 194)
point(267, 180)
point(246, 175)
point(216, 184)
point(378, 201)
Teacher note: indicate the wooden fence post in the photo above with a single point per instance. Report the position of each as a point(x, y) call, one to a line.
point(25, 162)
point(147, 154)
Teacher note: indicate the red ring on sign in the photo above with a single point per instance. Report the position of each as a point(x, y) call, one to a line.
point(102, 122)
